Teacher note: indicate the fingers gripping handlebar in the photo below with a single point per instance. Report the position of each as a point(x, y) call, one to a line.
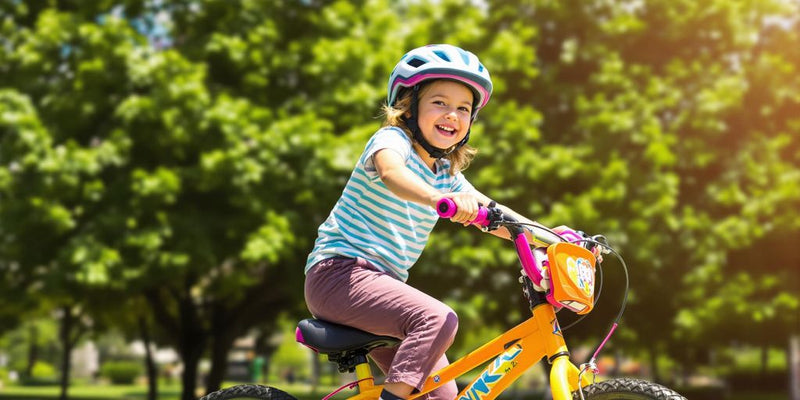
point(447, 208)
point(489, 218)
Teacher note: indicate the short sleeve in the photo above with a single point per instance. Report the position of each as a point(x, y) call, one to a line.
point(386, 138)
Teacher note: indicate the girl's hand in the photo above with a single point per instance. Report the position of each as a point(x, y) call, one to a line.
point(467, 206)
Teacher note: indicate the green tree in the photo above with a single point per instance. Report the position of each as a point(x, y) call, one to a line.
point(121, 171)
point(183, 153)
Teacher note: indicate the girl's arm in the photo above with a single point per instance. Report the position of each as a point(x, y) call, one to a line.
point(408, 186)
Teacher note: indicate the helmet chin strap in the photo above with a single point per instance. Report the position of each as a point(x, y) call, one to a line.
point(413, 125)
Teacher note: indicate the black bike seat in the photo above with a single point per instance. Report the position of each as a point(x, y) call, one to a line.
point(329, 338)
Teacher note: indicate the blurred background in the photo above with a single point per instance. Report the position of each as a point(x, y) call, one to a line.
point(165, 164)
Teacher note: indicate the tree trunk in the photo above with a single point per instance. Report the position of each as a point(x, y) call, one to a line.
point(191, 358)
point(67, 322)
point(654, 363)
point(33, 350)
point(220, 347)
point(150, 366)
point(265, 348)
point(189, 334)
point(192, 344)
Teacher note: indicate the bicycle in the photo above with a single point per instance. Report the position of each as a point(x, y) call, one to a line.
point(558, 276)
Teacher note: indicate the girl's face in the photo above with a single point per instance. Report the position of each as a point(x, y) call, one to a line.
point(445, 109)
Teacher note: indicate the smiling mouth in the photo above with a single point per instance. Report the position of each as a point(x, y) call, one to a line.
point(446, 130)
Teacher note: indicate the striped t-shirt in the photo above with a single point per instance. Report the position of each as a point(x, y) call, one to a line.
point(369, 221)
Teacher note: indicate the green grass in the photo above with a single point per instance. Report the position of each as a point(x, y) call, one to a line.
point(88, 392)
point(139, 392)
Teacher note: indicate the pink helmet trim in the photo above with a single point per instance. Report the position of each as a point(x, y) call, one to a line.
point(423, 77)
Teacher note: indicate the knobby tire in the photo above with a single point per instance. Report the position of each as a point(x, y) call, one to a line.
point(627, 389)
point(249, 392)
point(614, 389)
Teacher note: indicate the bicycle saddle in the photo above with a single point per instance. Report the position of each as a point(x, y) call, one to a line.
point(329, 338)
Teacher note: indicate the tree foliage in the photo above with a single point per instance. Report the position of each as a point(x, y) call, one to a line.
point(184, 152)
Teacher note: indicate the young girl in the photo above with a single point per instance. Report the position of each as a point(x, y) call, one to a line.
point(356, 273)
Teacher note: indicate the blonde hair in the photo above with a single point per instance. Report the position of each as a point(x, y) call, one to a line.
point(393, 116)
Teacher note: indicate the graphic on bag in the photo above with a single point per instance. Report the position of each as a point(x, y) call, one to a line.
point(581, 273)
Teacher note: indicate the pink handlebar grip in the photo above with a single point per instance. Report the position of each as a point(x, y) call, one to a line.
point(447, 208)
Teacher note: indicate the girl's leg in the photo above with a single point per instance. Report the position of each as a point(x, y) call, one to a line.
point(383, 357)
point(352, 292)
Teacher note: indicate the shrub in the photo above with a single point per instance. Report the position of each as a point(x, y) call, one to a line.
point(42, 374)
point(121, 372)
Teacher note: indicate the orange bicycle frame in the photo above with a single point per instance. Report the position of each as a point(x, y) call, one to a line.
point(515, 351)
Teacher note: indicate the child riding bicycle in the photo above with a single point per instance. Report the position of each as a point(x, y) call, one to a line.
point(356, 272)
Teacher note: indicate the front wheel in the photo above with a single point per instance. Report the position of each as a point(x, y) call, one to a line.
point(258, 392)
point(627, 389)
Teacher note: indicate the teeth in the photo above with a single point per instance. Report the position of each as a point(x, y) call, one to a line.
point(445, 128)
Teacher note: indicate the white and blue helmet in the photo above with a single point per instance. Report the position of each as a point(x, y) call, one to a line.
point(441, 61)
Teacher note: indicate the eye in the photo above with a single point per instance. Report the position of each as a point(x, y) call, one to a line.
point(439, 102)
point(464, 109)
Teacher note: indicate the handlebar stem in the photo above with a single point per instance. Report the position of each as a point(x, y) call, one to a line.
point(525, 254)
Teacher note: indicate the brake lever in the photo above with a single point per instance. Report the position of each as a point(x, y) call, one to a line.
point(494, 217)
point(602, 243)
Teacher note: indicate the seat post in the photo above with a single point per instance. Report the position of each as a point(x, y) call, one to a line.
point(364, 375)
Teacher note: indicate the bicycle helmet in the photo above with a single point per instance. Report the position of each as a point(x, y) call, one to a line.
point(439, 61)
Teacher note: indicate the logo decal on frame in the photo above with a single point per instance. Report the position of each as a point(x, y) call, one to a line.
point(556, 327)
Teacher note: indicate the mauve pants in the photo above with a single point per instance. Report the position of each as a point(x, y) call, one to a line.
point(352, 292)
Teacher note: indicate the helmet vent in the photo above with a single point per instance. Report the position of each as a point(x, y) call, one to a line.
point(441, 55)
point(416, 62)
point(464, 56)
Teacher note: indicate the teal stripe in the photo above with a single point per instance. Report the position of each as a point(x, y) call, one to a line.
point(412, 244)
point(378, 223)
point(358, 190)
point(393, 256)
point(385, 194)
point(420, 213)
point(350, 203)
point(405, 220)
point(370, 235)
point(422, 167)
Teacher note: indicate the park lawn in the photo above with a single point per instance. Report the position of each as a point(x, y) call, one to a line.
point(136, 392)
point(88, 392)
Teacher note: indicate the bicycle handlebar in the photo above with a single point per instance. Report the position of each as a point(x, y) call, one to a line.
point(446, 208)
